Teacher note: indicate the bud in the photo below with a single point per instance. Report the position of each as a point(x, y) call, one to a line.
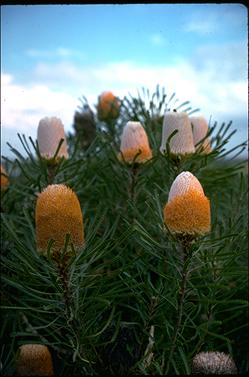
point(182, 142)
point(49, 134)
point(34, 360)
point(213, 363)
point(108, 106)
point(188, 209)
point(134, 143)
point(200, 130)
point(58, 213)
point(85, 127)
point(4, 179)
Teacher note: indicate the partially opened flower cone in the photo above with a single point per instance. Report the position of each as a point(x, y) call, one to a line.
point(188, 209)
point(49, 134)
point(134, 144)
point(34, 360)
point(57, 214)
point(108, 106)
point(200, 130)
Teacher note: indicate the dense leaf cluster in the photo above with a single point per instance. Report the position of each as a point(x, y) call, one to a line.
point(98, 314)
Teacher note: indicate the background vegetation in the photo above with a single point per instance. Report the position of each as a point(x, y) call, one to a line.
point(125, 281)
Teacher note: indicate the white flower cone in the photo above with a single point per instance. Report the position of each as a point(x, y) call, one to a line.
point(182, 142)
point(183, 183)
point(134, 143)
point(50, 132)
point(200, 130)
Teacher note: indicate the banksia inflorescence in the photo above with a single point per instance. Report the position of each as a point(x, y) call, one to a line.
point(188, 209)
point(134, 144)
point(108, 107)
point(49, 134)
point(34, 360)
point(200, 130)
point(182, 142)
point(213, 363)
point(57, 214)
point(4, 179)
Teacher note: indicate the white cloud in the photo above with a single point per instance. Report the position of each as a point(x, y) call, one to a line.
point(200, 26)
point(24, 105)
point(55, 90)
point(59, 52)
point(157, 39)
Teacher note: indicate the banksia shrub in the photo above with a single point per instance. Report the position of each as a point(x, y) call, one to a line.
point(182, 142)
point(58, 213)
point(134, 144)
point(34, 360)
point(200, 130)
point(49, 134)
point(108, 106)
point(4, 179)
point(213, 363)
point(188, 209)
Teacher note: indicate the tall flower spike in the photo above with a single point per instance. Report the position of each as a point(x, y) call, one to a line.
point(108, 106)
point(49, 134)
point(200, 130)
point(182, 142)
point(213, 363)
point(134, 143)
point(34, 360)
point(4, 179)
point(188, 209)
point(58, 213)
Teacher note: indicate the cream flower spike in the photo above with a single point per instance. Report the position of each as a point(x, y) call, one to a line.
point(182, 142)
point(188, 209)
point(215, 363)
point(134, 143)
point(50, 132)
point(200, 130)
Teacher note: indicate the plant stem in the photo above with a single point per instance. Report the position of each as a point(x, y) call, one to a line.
point(134, 171)
point(181, 295)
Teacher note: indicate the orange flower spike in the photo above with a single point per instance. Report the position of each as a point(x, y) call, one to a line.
point(58, 213)
point(188, 209)
point(34, 360)
point(49, 134)
point(135, 144)
point(200, 130)
point(108, 106)
point(4, 179)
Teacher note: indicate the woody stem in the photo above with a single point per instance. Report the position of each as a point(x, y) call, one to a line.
point(181, 295)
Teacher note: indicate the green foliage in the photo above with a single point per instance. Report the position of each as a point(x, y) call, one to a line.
point(97, 314)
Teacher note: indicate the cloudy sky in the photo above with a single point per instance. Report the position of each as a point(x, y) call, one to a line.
point(54, 54)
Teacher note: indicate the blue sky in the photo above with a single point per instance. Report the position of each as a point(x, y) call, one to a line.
point(54, 54)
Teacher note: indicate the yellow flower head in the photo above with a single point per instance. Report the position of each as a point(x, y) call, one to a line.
point(182, 142)
point(188, 209)
point(58, 213)
point(34, 360)
point(108, 106)
point(4, 179)
point(134, 144)
point(49, 134)
point(200, 130)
